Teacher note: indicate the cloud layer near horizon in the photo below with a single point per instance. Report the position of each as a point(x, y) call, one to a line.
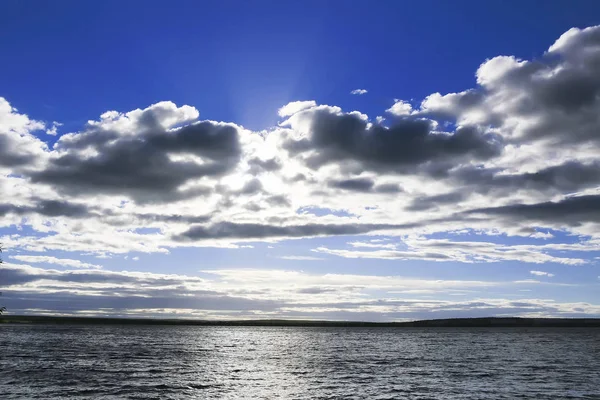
point(515, 155)
point(250, 293)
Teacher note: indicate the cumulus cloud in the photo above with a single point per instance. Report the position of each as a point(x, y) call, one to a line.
point(359, 91)
point(335, 137)
point(295, 107)
point(400, 108)
point(18, 145)
point(139, 156)
point(553, 99)
point(53, 129)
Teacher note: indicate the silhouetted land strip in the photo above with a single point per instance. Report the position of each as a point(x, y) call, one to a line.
point(434, 323)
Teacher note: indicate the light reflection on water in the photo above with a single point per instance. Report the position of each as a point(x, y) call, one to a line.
point(171, 362)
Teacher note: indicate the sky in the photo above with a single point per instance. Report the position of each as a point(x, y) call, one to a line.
point(342, 160)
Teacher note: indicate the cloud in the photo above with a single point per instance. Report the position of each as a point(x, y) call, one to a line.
point(551, 100)
point(301, 258)
point(357, 184)
point(375, 245)
point(335, 137)
point(568, 177)
point(444, 250)
point(295, 107)
point(359, 91)
point(541, 273)
point(542, 235)
point(53, 130)
point(137, 155)
point(64, 262)
point(400, 108)
point(429, 202)
point(48, 208)
point(501, 162)
point(364, 185)
point(384, 254)
point(260, 293)
point(231, 230)
point(18, 145)
point(258, 165)
point(572, 211)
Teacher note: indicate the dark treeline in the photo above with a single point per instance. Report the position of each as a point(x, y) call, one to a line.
point(455, 322)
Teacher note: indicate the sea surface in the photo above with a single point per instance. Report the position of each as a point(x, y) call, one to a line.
point(187, 362)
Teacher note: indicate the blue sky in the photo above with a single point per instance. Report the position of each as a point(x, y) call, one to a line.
point(237, 175)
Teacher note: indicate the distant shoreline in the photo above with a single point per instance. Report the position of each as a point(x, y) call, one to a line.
point(490, 322)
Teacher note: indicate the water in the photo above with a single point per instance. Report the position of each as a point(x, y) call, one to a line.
point(174, 362)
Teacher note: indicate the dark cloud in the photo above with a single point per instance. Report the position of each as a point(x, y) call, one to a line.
point(299, 177)
point(572, 211)
point(258, 165)
point(118, 291)
point(429, 202)
point(189, 219)
point(139, 165)
point(54, 208)
point(363, 185)
point(66, 302)
point(279, 200)
point(251, 187)
point(9, 154)
point(14, 275)
point(388, 188)
point(253, 207)
point(230, 230)
point(18, 147)
point(569, 177)
point(48, 208)
point(355, 185)
point(327, 289)
point(410, 143)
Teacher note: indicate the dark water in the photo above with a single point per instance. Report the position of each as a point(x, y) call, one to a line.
point(137, 362)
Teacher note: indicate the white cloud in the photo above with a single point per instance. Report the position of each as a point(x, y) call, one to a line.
point(542, 235)
point(359, 91)
point(493, 70)
point(295, 107)
point(374, 245)
point(444, 250)
point(53, 130)
point(400, 108)
point(541, 273)
point(64, 262)
point(301, 258)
